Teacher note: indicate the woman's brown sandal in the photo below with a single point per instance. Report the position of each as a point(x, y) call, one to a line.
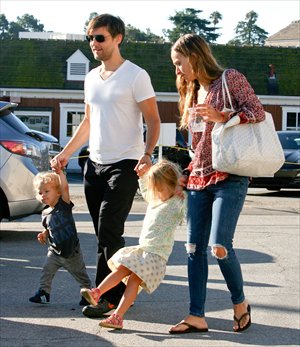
point(238, 320)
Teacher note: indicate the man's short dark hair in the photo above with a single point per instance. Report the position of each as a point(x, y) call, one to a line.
point(115, 25)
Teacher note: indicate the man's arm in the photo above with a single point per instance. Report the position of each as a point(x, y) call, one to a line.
point(151, 116)
point(78, 139)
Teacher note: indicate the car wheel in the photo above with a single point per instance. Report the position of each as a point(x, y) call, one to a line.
point(1, 212)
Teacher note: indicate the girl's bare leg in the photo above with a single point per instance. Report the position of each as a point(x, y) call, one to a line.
point(129, 295)
point(113, 279)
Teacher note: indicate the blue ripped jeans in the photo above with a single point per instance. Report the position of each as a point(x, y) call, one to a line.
point(212, 217)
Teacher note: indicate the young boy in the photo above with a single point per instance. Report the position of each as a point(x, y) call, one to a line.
point(60, 233)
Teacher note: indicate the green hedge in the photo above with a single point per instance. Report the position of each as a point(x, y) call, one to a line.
point(42, 64)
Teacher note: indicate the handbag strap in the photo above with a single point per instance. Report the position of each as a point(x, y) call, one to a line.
point(225, 89)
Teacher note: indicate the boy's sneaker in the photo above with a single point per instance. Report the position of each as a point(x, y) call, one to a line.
point(91, 295)
point(114, 321)
point(40, 297)
point(103, 307)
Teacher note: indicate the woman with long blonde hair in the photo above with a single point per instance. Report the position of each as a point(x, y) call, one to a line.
point(215, 199)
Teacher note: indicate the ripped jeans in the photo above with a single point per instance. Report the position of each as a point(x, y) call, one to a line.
point(212, 217)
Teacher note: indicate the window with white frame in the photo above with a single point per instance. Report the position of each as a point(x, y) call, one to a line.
point(71, 116)
point(290, 118)
point(74, 118)
point(36, 120)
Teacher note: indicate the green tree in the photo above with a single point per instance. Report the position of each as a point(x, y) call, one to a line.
point(25, 23)
point(187, 21)
point(3, 27)
point(92, 15)
point(133, 34)
point(215, 17)
point(248, 33)
point(29, 23)
point(13, 29)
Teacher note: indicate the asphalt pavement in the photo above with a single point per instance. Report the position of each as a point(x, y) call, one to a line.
point(267, 244)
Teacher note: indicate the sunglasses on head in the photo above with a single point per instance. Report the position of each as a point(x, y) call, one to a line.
point(98, 38)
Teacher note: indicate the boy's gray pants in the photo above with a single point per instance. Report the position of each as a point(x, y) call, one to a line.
point(74, 265)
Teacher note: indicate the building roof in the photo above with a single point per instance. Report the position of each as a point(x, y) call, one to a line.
point(42, 64)
point(286, 37)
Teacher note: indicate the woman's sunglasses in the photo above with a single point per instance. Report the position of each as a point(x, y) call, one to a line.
point(98, 38)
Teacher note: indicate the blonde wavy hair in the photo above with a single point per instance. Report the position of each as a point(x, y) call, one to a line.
point(44, 178)
point(163, 173)
point(204, 67)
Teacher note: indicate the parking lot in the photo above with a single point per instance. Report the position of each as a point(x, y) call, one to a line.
point(267, 243)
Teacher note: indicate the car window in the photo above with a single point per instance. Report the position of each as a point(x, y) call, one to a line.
point(288, 141)
point(14, 121)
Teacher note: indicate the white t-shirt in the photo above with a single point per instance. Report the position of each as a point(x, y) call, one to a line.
point(116, 124)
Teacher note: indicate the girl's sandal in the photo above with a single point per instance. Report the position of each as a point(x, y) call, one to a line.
point(114, 321)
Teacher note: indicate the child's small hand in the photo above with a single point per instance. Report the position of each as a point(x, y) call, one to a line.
point(183, 180)
point(142, 169)
point(179, 192)
point(56, 170)
point(42, 238)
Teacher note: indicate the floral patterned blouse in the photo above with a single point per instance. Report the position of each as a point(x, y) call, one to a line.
point(248, 108)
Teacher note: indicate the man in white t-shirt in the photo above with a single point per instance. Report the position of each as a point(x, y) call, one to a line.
point(118, 95)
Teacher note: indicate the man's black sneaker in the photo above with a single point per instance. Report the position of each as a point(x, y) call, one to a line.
point(40, 297)
point(103, 307)
point(83, 302)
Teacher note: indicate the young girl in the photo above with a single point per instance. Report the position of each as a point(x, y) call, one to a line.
point(59, 232)
point(144, 266)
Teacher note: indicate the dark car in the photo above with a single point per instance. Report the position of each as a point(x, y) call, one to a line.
point(288, 176)
point(178, 154)
point(23, 153)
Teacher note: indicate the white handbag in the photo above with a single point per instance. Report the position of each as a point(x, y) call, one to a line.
point(251, 149)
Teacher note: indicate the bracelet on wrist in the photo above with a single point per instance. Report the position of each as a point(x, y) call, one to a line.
point(148, 154)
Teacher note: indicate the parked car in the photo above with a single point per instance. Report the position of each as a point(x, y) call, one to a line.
point(178, 154)
point(288, 176)
point(23, 153)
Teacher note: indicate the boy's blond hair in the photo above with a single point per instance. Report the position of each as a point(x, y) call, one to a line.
point(45, 178)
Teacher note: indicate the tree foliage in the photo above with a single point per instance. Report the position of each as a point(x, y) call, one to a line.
point(3, 26)
point(248, 33)
point(25, 23)
point(186, 22)
point(133, 34)
point(92, 15)
point(215, 17)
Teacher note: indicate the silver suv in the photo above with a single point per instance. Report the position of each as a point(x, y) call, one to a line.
point(23, 153)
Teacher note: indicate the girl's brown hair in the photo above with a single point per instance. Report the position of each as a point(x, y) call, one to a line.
point(204, 67)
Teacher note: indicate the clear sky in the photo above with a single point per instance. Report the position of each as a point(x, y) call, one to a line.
point(70, 16)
